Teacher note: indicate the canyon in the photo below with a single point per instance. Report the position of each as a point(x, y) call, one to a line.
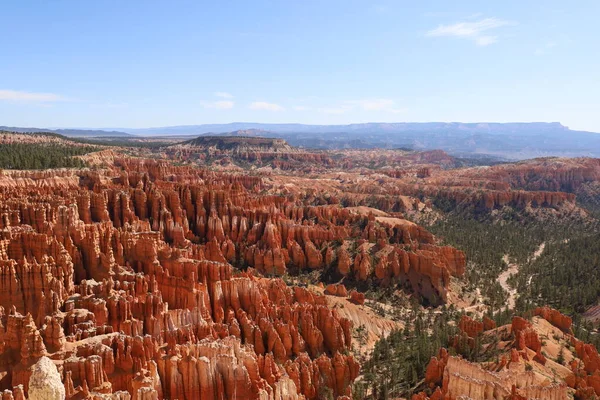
point(179, 272)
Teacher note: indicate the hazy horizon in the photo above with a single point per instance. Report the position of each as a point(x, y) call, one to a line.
point(107, 128)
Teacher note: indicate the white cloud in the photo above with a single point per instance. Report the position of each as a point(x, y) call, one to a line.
point(219, 105)
point(264, 106)
point(31, 97)
point(224, 95)
point(471, 30)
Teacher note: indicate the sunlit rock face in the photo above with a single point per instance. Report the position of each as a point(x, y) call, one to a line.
point(141, 279)
point(45, 382)
point(126, 281)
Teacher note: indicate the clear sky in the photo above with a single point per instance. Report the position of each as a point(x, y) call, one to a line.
point(157, 63)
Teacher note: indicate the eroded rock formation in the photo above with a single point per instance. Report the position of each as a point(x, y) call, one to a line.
point(520, 370)
point(125, 280)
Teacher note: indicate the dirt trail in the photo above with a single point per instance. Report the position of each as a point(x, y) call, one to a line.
point(512, 270)
point(539, 251)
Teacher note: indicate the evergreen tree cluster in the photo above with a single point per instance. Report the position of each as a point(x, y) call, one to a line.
point(486, 241)
point(566, 276)
point(397, 365)
point(41, 155)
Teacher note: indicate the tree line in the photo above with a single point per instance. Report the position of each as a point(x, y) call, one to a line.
point(42, 155)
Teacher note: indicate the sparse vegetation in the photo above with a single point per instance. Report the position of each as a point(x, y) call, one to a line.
point(397, 365)
point(561, 356)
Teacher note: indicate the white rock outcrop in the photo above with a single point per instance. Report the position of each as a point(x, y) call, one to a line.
point(45, 382)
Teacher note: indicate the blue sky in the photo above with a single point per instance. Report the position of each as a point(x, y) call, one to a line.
point(157, 63)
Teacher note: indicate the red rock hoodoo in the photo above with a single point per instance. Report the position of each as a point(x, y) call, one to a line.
point(125, 278)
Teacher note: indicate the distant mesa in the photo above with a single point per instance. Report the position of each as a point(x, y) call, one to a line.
point(237, 142)
point(244, 132)
point(245, 151)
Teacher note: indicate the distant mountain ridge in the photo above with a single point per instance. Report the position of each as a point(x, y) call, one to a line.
point(511, 141)
point(492, 127)
point(69, 132)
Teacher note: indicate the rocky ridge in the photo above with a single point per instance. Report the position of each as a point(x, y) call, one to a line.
point(528, 367)
point(245, 150)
